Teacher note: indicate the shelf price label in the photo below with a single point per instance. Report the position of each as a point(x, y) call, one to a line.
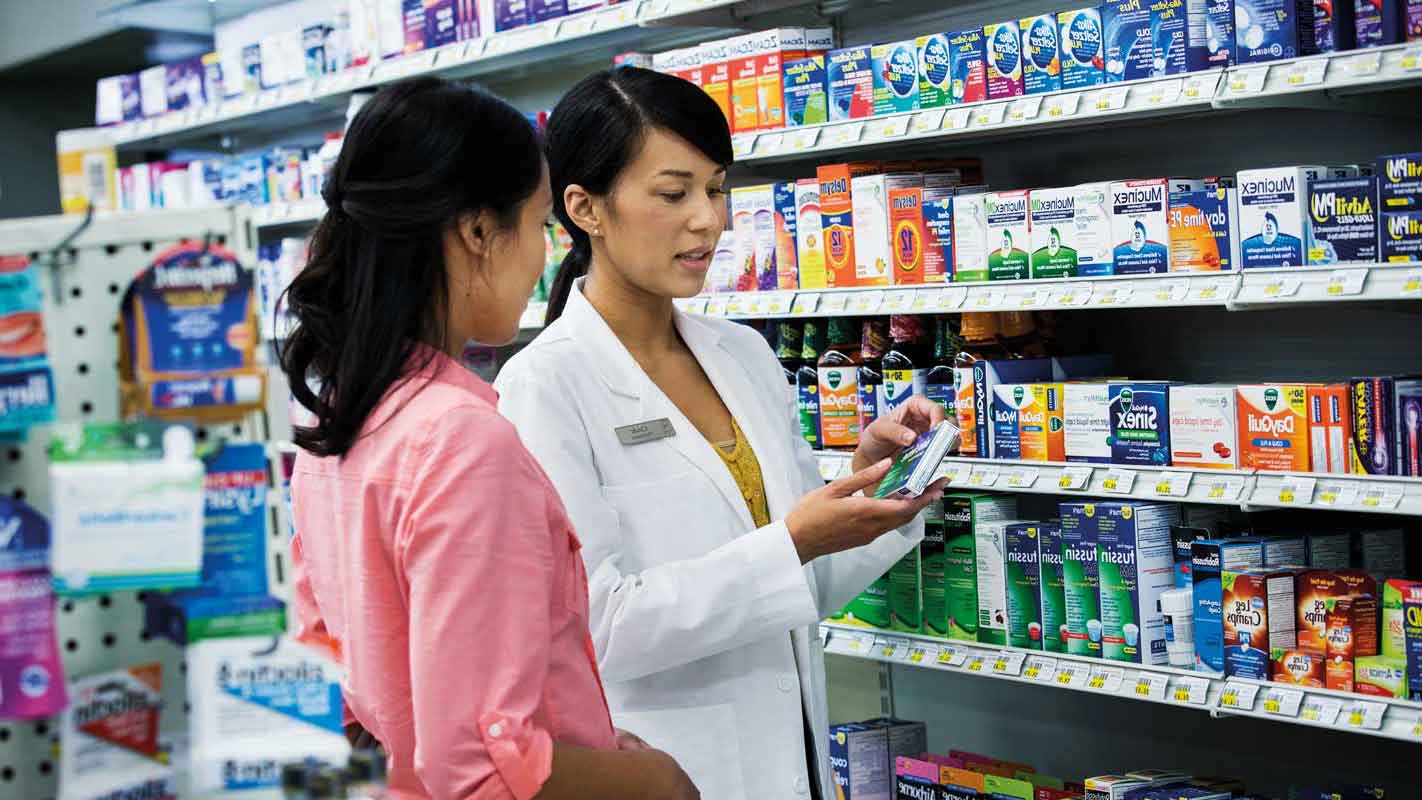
point(917, 655)
point(956, 119)
point(983, 476)
point(1106, 679)
point(1070, 673)
point(1412, 59)
point(1309, 72)
point(957, 473)
point(1171, 291)
point(1212, 292)
point(1040, 669)
point(1345, 282)
point(1078, 294)
point(1225, 490)
point(1192, 691)
point(696, 305)
point(976, 661)
point(1238, 696)
point(1076, 478)
point(1063, 105)
point(1283, 702)
point(1201, 86)
point(952, 298)
point(1336, 494)
point(1363, 66)
point(899, 302)
point(1113, 99)
point(1150, 686)
point(770, 144)
point(1380, 496)
point(830, 467)
point(1412, 284)
point(1020, 477)
point(928, 121)
point(736, 305)
point(952, 656)
point(1173, 484)
point(1363, 714)
point(754, 304)
point(1323, 710)
point(841, 135)
point(1277, 288)
point(1118, 481)
point(716, 307)
point(834, 303)
point(802, 138)
point(988, 299)
point(924, 300)
point(1024, 108)
point(778, 303)
point(1034, 299)
point(1165, 93)
point(805, 303)
point(1248, 80)
point(1008, 663)
point(743, 145)
point(1292, 491)
point(989, 115)
point(891, 128)
point(868, 302)
point(885, 648)
point(1115, 296)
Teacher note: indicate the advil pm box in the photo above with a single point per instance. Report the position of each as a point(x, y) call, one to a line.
point(1343, 221)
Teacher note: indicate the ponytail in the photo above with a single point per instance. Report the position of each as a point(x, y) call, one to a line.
point(574, 266)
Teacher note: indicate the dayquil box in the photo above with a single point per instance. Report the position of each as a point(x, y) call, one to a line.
point(1004, 60)
point(1140, 423)
point(1273, 427)
point(1258, 619)
point(1024, 585)
point(1314, 589)
point(1351, 632)
point(1041, 55)
point(1053, 230)
point(1086, 416)
point(1053, 599)
point(963, 514)
point(837, 219)
point(895, 77)
point(935, 77)
point(967, 65)
point(1081, 578)
point(874, 252)
point(850, 75)
point(1402, 601)
point(908, 234)
point(715, 58)
point(1028, 422)
point(1136, 564)
point(1203, 423)
point(1329, 428)
point(1209, 559)
point(809, 235)
point(1009, 235)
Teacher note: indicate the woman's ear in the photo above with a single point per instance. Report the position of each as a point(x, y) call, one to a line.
point(582, 209)
point(476, 232)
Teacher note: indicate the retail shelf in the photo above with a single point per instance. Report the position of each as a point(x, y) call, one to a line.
point(277, 215)
point(1322, 708)
point(1334, 74)
point(1247, 489)
point(1166, 290)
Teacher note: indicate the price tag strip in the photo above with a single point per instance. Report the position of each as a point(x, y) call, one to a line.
point(1335, 494)
point(1380, 496)
point(805, 303)
point(928, 121)
point(1309, 72)
point(1040, 669)
point(1063, 105)
point(1290, 491)
point(1076, 478)
point(743, 145)
point(1362, 714)
point(1412, 59)
point(892, 128)
point(1078, 294)
point(1283, 702)
point(1118, 481)
point(1212, 292)
point(1191, 691)
point(834, 303)
point(802, 138)
point(1165, 93)
point(899, 302)
point(1248, 80)
point(1008, 662)
point(1238, 696)
point(1224, 490)
point(1172, 292)
point(977, 662)
point(957, 473)
point(983, 476)
point(1151, 686)
point(770, 144)
point(1173, 484)
point(1201, 87)
point(1346, 282)
point(952, 656)
point(1023, 109)
point(1072, 674)
point(841, 135)
point(716, 307)
point(1106, 679)
point(989, 115)
point(778, 304)
point(868, 302)
point(956, 119)
point(886, 648)
point(1019, 477)
point(1362, 66)
point(952, 298)
point(1322, 710)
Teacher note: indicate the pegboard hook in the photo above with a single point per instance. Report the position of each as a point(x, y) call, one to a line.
point(54, 253)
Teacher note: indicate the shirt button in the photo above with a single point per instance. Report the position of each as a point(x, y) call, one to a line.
point(786, 683)
point(802, 786)
point(496, 730)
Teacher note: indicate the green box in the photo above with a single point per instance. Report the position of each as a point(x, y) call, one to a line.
point(961, 512)
point(871, 608)
point(1024, 586)
point(906, 593)
point(1049, 560)
point(1082, 584)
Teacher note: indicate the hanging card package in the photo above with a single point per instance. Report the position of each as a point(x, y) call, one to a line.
point(26, 383)
point(111, 738)
point(31, 674)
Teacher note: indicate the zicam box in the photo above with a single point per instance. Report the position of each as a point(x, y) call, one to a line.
point(1140, 424)
point(1081, 579)
point(970, 238)
point(1006, 214)
point(1202, 235)
point(809, 238)
point(1273, 427)
point(1272, 215)
point(873, 248)
point(1202, 427)
point(1027, 421)
point(1092, 236)
point(1400, 239)
point(1080, 40)
point(715, 60)
point(895, 77)
point(1209, 559)
point(1053, 228)
point(967, 64)
point(907, 233)
point(1135, 566)
point(1399, 181)
point(938, 234)
point(1269, 30)
point(963, 514)
point(806, 98)
point(850, 76)
point(1351, 632)
point(1086, 417)
point(1329, 431)
point(1024, 585)
point(1140, 226)
point(935, 77)
point(1053, 588)
point(1004, 60)
point(1343, 221)
point(837, 220)
point(1258, 619)
point(1402, 601)
point(1041, 55)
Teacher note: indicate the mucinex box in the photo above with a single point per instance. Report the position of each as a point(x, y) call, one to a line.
point(1140, 423)
point(1269, 30)
point(970, 237)
point(1140, 226)
point(1202, 230)
point(1004, 59)
point(1209, 559)
point(1343, 221)
point(1203, 431)
point(1041, 55)
point(850, 77)
point(967, 65)
point(1081, 578)
point(1136, 565)
point(1273, 209)
point(1053, 600)
point(1024, 585)
point(1086, 415)
point(1053, 228)
point(935, 77)
point(1080, 41)
point(1009, 234)
point(895, 77)
point(1273, 427)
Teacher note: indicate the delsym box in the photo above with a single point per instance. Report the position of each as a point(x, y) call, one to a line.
point(1009, 234)
point(1053, 600)
point(1258, 620)
point(1268, 30)
point(935, 77)
point(1273, 427)
point(967, 65)
point(1081, 578)
point(1272, 213)
point(787, 268)
point(806, 97)
point(1136, 564)
point(895, 77)
point(1041, 55)
point(1140, 226)
point(909, 238)
point(1140, 424)
point(1329, 429)
point(1080, 41)
point(1004, 60)
point(1024, 586)
point(1087, 418)
point(1343, 221)
point(1092, 237)
point(1373, 427)
point(1203, 431)
point(809, 240)
point(1202, 237)
point(1377, 22)
point(1209, 559)
point(837, 219)
point(938, 234)
point(1053, 227)
point(850, 77)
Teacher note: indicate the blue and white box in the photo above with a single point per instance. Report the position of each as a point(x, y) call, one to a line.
point(1140, 226)
point(1145, 40)
point(1211, 33)
point(1041, 55)
point(1343, 221)
point(1208, 559)
point(1399, 181)
point(1269, 30)
point(1401, 238)
point(1081, 41)
point(1377, 22)
point(1140, 423)
point(1273, 214)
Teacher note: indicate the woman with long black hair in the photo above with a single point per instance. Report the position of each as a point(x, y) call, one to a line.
point(430, 547)
point(712, 544)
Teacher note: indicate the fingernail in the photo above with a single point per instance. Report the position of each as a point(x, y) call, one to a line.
point(907, 438)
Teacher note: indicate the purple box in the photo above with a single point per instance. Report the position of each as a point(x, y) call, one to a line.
point(1377, 22)
point(544, 10)
point(1333, 25)
point(1413, 19)
point(414, 16)
point(510, 14)
point(467, 16)
point(441, 23)
point(184, 84)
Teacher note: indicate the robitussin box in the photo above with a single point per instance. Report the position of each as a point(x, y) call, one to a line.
point(1136, 564)
point(1209, 559)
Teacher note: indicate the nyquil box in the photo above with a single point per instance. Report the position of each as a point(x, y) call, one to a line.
point(1136, 564)
point(1209, 559)
point(1273, 212)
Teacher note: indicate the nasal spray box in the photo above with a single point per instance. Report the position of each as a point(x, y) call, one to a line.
point(1009, 233)
point(1136, 564)
point(1140, 423)
point(1053, 227)
point(873, 242)
point(1270, 30)
point(1273, 212)
point(1258, 620)
point(1041, 55)
point(1343, 221)
point(1004, 60)
point(970, 238)
point(1081, 578)
point(963, 514)
point(895, 77)
point(1209, 559)
point(1202, 230)
point(1140, 226)
point(1204, 427)
point(1092, 236)
point(1053, 587)
point(1080, 40)
point(1086, 415)
point(967, 65)
point(1273, 427)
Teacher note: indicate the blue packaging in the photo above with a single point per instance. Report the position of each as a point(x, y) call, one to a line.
point(184, 84)
point(895, 77)
point(1333, 25)
point(251, 69)
point(1170, 37)
point(510, 14)
point(26, 381)
point(1399, 181)
point(1144, 38)
point(1377, 22)
point(1268, 30)
point(849, 74)
point(32, 682)
point(967, 62)
point(1080, 40)
point(1343, 221)
point(1208, 559)
point(442, 22)
point(313, 48)
point(787, 260)
point(1217, 47)
point(1140, 423)
point(544, 10)
point(806, 95)
point(1041, 55)
point(935, 77)
point(938, 241)
point(1401, 236)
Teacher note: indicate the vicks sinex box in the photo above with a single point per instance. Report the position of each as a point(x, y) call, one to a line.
point(1052, 582)
point(1041, 55)
point(1009, 235)
point(1203, 431)
point(1053, 230)
point(1140, 226)
point(1004, 60)
point(1024, 585)
point(1273, 212)
point(1209, 559)
point(1081, 578)
point(1136, 564)
point(1140, 423)
point(1080, 40)
point(1258, 620)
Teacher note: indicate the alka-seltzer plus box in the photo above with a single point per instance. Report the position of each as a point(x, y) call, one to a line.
point(1273, 212)
point(1024, 585)
point(1004, 60)
point(1081, 579)
point(1086, 414)
point(850, 77)
point(1144, 38)
point(806, 97)
point(967, 65)
point(1202, 230)
point(1209, 560)
point(895, 77)
point(1203, 427)
point(1140, 424)
point(1053, 226)
point(1009, 235)
point(1343, 221)
point(1041, 55)
point(1269, 30)
point(1053, 599)
point(1258, 619)
point(935, 77)
point(1273, 427)
point(1136, 565)
point(1081, 43)
point(1140, 226)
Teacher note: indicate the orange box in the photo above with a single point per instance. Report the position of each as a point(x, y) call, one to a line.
point(1352, 632)
point(837, 219)
point(676, 62)
point(745, 53)
point(906, 227)
point(715, 60)
point(1299, 668)
point(1273, 427)
point(1314, 590)
point(1330, 429)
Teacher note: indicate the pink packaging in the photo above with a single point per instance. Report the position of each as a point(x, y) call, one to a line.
point(31, 674)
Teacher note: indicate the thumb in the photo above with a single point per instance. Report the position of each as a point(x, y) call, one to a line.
point(864, 478)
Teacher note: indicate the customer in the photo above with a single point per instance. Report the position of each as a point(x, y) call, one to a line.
point(712, 543)
point(430, 547)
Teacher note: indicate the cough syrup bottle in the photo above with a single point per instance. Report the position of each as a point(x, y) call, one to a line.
point(872, 343)
point(789, 343)
point(938, 377)
point(839, 386)
point(807, 383)
point(905, 366)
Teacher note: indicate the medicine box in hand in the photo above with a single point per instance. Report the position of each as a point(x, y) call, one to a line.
point(913, 470)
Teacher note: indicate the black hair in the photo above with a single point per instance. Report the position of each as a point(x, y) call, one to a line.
point(597, 128)
point(419, 154)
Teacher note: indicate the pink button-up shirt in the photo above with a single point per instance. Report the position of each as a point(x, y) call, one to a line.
point(439, 560)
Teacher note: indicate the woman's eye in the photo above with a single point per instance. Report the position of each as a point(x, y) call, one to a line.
point(673, 197)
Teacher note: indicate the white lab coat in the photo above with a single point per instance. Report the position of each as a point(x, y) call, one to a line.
point(705, 627)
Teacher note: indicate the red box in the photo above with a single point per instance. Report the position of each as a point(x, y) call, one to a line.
point(1330, 428)
point(1352, 632)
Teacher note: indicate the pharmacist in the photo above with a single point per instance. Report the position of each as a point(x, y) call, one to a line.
point(712, 544)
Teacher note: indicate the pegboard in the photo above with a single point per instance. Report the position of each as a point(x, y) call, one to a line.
point(81, 304)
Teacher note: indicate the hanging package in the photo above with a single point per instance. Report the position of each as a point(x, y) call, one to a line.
point(31, 674)
point(26, 383)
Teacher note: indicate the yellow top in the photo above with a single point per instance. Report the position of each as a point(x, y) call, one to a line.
point(745, 469)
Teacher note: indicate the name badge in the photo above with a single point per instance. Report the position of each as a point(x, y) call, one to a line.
point(643, 432)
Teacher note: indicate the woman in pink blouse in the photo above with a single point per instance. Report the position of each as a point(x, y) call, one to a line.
point(430, 548)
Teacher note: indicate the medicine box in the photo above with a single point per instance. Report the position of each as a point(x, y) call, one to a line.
point(1209, 559)
point(745, 81)
point(1382, 553)
point(1004, 60)
point(1273, 427)
point(1270, 30)
point(862, 756)
point(1211, 34)
point(873, 243)
point(806, 96)
point(1027, 422)
point(1285, 551)
point(1202, 230)
point(1330, 550)
point(745, 200)
point(1170, 37)
point(850, 76)
point(1258, 616)
point(963, 512)
point(1343, 221)
point(1136, 564)
point(990, 551)
point(787, 267)
point(1053, 230)
point(1402, 601)
point(1399, 181)
point(895, 77)
point(1009, 235)
point(837, 220)
point(1377, 22)
point(809, 238)
point(967, 65)
point(938, 234)
point(1081, 578)
point(1400, 241)
point(1298, 667)
point(1053, 588)
point(970, 237)
point(1329, 428)
point(1203, 427)
point(1272, 215)
point(987, 376)
point(1041, 55)
point(1024, 585)
point(1081, 42)
point(761, 200)
point(935, 77)
point(906, 593)
point(1086, 413)
point(933, 563)
point(1144, 40)
point(1374, 427)
point(1140, 226)
point(715, 60)
point(1092, 236)
point(1351, 632)
point(908, 237)
point(1140, 423)
point(1181, 539)
point(1383, 676)
point(1314, 589)
point(1333, 26)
